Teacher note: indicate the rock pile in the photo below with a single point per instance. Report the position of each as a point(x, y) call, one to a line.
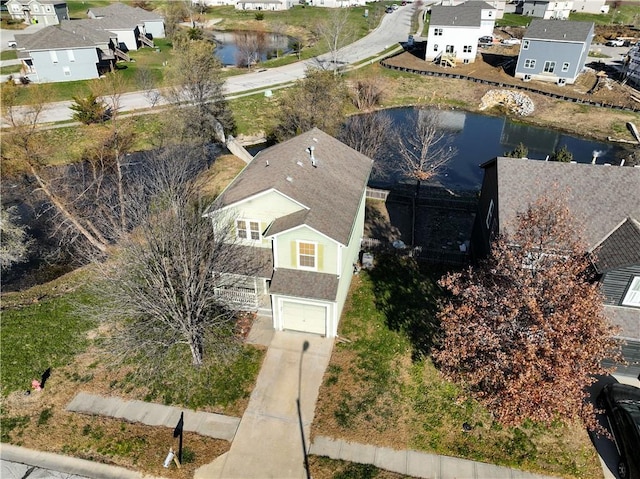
point(516, 102)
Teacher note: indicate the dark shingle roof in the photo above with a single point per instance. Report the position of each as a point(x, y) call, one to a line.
point(304, 284)
point(600, 197)
point(330, 193)
point(567, 30)
point(87, 30)
point(464, 15)
point(621, 248)
point(51, 38)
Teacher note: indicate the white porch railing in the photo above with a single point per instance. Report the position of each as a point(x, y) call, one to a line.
point(239, 299)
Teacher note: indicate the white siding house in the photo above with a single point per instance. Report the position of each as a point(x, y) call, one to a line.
point(44, 12)
point(454, 31)
point(546, 9)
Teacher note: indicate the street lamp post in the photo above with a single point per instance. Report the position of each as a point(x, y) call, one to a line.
point(305, 346)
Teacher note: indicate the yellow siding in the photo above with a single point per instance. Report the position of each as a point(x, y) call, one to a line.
point(326, 254)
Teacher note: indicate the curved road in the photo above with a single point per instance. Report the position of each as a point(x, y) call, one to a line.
point(393, 29)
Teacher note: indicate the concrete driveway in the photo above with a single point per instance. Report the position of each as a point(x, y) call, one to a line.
point(268, 443)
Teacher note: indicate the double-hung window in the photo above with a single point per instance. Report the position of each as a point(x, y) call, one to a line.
point(529, 63)
point(437, 32)
point(466, 49)
point(525, 44)
point(307, 255)
point(565, 67)
point(248, 229)
point(549, 67)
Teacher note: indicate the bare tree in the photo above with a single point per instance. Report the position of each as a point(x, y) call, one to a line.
point(335, 33)
point(203, 115)
point(147, 83)
point(524, 331)
point(368, 92)
point(250, 47)
point(425, 148)
point(161, 290)
point(368, 133)
point(15, 240)
point(280, 29)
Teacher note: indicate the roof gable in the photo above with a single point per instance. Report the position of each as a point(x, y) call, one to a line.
point(52, 38)
point(600, 197)
point(332, 191)
point(621, 248)
point(567, 31)
point(122, 11)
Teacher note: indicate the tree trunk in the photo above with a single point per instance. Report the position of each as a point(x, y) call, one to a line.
point(123, 221)
point(102, 247)
point(195, 344)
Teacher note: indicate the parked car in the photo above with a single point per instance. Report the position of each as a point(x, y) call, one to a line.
point(621, 404)
point(12, 44)
point(485, 40)
point(389, 10)
point(615, 43)
point(395, 6)
point(511, 41)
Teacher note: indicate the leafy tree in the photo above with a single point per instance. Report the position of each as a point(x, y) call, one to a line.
point(15, 241)
point(524, 330)
point(520, 151)
point(318, 100)
point(89, 110)
point(562, 155)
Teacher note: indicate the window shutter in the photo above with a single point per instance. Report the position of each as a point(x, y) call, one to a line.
point(294, 254)
point(320, 257)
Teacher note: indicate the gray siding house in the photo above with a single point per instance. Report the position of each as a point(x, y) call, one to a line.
point(603, 199)
point(554, 51)
point(55, 55)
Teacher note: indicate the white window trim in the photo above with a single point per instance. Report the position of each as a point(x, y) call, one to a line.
point(247, 228)
point(315, 255)
point(529, 63)
point(549, 66)
point(54, 56)
point(525, 44)
point(565, 66)
point(632, 296)
point(489, 214)
point(71, 55)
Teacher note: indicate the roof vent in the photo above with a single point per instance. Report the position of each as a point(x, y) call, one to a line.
point(299, 163)
point(314, 163)
point(289, 179)
point(267, 163)
point(564, 35)
point(316, 140)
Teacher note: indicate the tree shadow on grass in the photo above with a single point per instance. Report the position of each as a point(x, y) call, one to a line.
point(409, 300)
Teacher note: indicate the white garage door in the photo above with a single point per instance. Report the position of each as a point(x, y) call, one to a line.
point(304, 317)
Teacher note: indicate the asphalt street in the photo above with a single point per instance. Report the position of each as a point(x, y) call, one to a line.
point(393, 29)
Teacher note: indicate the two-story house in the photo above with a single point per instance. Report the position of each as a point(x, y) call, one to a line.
point(632, 65)
point(546, 9)
point(590, 6)
point(56, 55)
point(133, 26)
point(44, 12)
point(554, 51)
point(454, 31)
point(300, 204)
point(603, 199)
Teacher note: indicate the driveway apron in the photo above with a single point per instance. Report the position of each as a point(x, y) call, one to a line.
point(268, 443)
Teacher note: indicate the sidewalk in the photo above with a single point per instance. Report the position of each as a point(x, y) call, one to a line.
point(414, 463)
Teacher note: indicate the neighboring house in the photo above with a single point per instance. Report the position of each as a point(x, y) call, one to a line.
point(590, 6)
point(605, 202)
point(554, 51)
point(55, 55)
point(263, 4)
point(301, 204)
point(546, 9)
point(632, 65)
point(498, 5)
point(454, 31)
point(45, 12)
point(133, 26)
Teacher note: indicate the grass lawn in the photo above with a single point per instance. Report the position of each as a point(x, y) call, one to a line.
point(513, 20)
point(380, 390)
point(8, 55)
point(622, 15)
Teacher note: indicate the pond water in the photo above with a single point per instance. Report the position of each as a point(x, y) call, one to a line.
point(229, 53)
point(479, 138)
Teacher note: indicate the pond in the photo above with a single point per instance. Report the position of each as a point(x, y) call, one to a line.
point(479, 138)
point(233, 48)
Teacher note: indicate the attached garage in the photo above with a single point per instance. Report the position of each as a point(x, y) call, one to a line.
point(309, 318)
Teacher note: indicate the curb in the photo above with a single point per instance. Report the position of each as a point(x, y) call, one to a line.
point(66, 464)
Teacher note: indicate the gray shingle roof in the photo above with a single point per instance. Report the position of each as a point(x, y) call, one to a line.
point(464, 15)
point(621, 248)
point(600, 197)
point(304, 284)
point(123, 11)
point(559, 30)
point(627, 319)
point(86, 29)
point(52, 38)
point(331, 192)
